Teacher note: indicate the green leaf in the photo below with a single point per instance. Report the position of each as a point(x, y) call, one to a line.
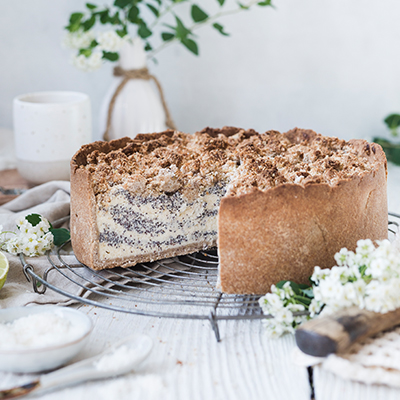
point(61, 235)
point(159, 2)
point(166, 36)
point(221, 2)
point(198, 14)
point(362, 269)
point(115, 19)
point(309, 292)
point(74, 22)
point(265, 3)
point(148, 47)
point(133, 14)
point(122, 32)
point(104, 16)
point(144, 32)
point(73, 28)
point(122, 3)
point(220, 29)
point(302, 286)
point(89, 23)
point(243, 6)
point(295, 287)
point(107, 55)
point(91, 6)
point(86, 52)
point(153, 9)
point(75, 18)
point(33, 219)
point(280, 284)
point(180, 29)
point(303, 300)
point(93, 44)
point(392, 121)
point(190, 45)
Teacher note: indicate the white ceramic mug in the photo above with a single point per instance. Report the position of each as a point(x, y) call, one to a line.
point(49, 127)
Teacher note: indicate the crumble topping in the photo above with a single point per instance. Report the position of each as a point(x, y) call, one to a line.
point(154, 165)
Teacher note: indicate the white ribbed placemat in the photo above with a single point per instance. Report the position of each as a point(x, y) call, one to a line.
point(373, 360)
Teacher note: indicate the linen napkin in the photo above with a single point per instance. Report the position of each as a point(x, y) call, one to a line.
point(52, 201)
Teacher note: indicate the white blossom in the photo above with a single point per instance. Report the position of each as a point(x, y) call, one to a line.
point(314, 308)
point(273, 330)
point(342, 257)
point(287, 290)
point(88, 64)
point(319, 274)
point(110, 41)
point(78, 40)
point(365, 247)
point(284, 315)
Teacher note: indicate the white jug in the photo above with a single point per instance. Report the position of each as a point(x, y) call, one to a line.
point(138, 107)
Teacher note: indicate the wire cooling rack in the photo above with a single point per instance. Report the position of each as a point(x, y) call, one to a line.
point(180, 287)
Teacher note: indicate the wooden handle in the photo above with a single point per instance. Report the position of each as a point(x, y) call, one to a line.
point(337, 332)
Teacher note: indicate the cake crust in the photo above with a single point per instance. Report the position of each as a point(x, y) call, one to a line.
point(282, 234)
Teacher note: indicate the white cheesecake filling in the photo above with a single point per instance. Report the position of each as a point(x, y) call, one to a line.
point(131, 225)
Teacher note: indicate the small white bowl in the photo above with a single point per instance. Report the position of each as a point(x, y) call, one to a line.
point(45, 358)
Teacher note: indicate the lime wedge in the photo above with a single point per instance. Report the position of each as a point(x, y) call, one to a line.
point(3, 269)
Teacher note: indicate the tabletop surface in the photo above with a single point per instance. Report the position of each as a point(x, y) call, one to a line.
point(188, 363)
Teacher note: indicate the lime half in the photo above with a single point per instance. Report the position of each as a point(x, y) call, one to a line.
point(3, 269)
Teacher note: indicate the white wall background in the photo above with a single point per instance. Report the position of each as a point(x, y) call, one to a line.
point(333, 66)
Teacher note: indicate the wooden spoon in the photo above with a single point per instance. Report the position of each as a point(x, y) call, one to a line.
point(336, 333)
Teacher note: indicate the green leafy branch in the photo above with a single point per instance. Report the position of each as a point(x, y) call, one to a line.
point(185, 34)
point(303, 294)
point(392, 150)
point(125, 13)
point(392, 121)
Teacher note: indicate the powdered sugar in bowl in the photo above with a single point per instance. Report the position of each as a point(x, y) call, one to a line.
point(34, 339)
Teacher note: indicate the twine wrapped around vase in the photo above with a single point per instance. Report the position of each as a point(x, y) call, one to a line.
point(142, 73)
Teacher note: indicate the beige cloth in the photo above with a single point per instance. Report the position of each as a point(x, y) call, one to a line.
point(52, 201)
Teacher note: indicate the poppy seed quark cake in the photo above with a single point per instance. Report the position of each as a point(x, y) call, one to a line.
point(276, 204)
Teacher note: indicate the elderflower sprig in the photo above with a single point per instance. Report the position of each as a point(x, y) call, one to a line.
point(35, 236)
point(287, 304)
point(368, 278)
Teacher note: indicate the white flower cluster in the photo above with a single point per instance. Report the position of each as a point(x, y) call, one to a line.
point(30, 240)
point(281, 305)
point(111, 41)
point(368, 278)
point(88, 64)
point(78, 40)
point(108, 41)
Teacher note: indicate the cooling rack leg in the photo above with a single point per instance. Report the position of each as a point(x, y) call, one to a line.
point(30, 276)
point(214, 325)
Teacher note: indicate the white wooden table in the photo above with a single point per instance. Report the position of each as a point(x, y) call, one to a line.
point(187, 362)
